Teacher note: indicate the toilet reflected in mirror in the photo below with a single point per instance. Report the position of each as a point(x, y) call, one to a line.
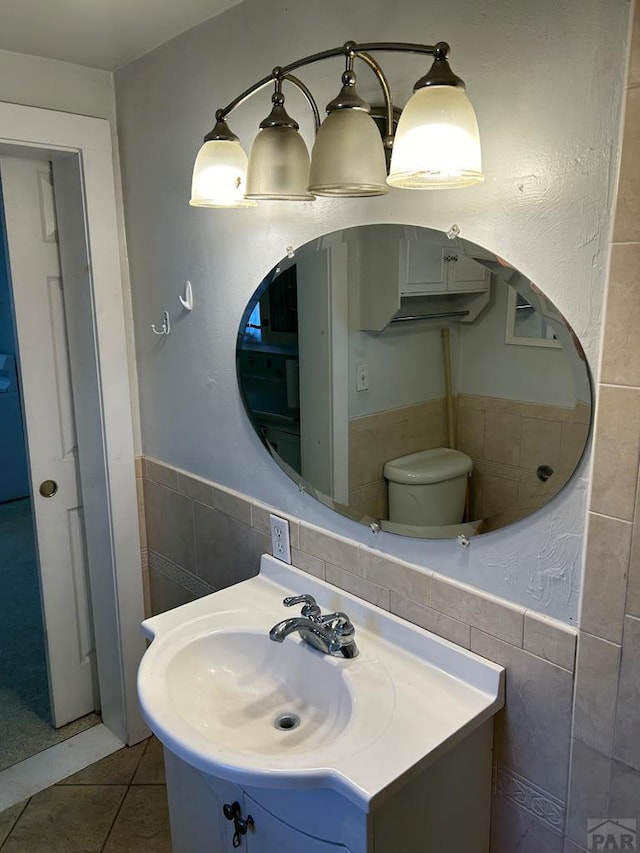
point(374, 365)
point(427, 492)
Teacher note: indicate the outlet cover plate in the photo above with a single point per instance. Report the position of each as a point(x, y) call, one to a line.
point(280, 545)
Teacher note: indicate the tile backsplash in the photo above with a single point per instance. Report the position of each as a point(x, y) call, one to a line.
point(201, 537)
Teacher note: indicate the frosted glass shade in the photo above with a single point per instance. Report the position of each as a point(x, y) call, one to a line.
point(348, 156)
point(219, 175)
point(278, 166)
point(437, 144)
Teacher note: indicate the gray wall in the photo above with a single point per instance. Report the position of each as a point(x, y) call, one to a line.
point(490, 367)
point(53, 85)
point(546, 81)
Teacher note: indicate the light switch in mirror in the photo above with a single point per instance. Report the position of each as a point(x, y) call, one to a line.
point(373, 365)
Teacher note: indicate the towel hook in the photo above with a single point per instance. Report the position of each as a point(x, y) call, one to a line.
point(165, 329)
point(187, 300)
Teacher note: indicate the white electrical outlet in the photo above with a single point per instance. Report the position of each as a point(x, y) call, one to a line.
point(280, 545)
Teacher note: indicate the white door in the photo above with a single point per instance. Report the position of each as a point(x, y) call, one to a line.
point(314, 351)
point(38, 297)
point(323, 351)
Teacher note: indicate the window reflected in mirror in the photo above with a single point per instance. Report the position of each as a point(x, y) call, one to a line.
point(528, 322)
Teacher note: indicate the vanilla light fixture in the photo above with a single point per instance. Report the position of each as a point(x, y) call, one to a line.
point(348, 156)
point(279, 161)
point(220, 170)
point(436, 144)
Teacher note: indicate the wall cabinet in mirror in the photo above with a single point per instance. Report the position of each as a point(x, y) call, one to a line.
point(440, 268)
point(392, 265)
point(431, 427)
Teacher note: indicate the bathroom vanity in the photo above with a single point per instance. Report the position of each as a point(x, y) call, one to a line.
point(275, 746)
point(443, 809)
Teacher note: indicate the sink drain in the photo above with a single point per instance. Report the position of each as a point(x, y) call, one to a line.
point(287, 722)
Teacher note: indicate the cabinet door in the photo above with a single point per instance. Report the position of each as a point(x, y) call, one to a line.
point(426, 270)
point(270, 835)
point(197, 821)
point(465, 274)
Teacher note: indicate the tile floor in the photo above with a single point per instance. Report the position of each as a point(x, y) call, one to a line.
point(117, 805)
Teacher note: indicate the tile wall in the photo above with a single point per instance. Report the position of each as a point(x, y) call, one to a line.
point(605, 760)
point(201, 537)
point(374, 439)
point(507, 441)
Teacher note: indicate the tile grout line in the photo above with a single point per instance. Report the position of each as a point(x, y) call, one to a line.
point(122, 801)
point(89, 785)
point(115, 818)
point(15, 823)
point(142, 755)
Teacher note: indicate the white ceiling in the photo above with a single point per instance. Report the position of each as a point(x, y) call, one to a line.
point(99, 33)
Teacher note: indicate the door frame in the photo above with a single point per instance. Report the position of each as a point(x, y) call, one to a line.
point(108, 481)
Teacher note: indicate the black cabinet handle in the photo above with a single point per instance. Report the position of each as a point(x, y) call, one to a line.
point(229, 810)
point(233, 811)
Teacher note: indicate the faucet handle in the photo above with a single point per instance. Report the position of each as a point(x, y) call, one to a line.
point(310, 609)
point(340, 623)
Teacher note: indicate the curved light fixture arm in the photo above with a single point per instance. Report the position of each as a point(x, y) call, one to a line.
point(309, 97)
point(349, 49)
point(386, 93)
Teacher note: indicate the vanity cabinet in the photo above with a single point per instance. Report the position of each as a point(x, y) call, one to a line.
point(198, 823)
point(273, 836)
point(443, 808)
point(387, 751)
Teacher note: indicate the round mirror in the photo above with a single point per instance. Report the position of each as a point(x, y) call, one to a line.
point(414, 381)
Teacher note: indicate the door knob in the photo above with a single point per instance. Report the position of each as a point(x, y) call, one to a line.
point(48, 488)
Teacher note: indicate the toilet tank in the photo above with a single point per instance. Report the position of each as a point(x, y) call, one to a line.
point(428, 488)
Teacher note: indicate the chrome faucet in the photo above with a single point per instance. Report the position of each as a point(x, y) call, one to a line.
point(332, 633)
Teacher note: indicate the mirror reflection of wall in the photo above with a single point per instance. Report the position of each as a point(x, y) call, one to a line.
point(355, 392)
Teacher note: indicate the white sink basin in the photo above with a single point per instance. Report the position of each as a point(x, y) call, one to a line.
point(213, 687)
point(246, 693)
